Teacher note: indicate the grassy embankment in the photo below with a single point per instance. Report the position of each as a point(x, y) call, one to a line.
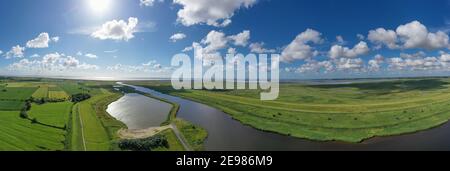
point(350, 112)
point(93, 129)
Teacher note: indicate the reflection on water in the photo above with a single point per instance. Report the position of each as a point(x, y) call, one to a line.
point(225, 133)
point(139, 112)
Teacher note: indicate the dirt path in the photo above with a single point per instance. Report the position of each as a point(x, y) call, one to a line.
point(141, 133)
point(82, 127)
point(181, 137)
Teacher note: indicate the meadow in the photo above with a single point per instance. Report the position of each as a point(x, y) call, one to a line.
point(333, 112)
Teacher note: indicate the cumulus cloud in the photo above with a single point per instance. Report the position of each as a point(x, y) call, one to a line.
point(117, 30)
point(408, 36)
point(419, 54)
point(241, 39)
point(1, 52)
point(149, 67)
point(15, 52)
point(214, 41)
point(51, 62)
point(259, 48)
point(338, 51)
point(41, 41)
point(214, 13)
point(178, 36)
point(375, 64)
point(299, 49)
point(348, 64)
point(429, 63)
point(385, 37)
point(316, 67)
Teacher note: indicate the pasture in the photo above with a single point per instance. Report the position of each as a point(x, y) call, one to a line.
point(334, 112)
point(19, 134)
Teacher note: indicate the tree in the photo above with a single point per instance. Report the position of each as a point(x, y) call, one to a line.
point(23, 114)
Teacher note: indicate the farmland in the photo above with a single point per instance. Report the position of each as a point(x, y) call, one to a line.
point(334, 112)
point(52, 122)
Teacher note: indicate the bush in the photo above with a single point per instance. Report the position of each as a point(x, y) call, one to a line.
point(146, 144)
point(23, 114)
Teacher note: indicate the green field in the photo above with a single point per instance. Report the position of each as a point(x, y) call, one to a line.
point(54, 124)
point(52, 114)
point(41, 92)
point(57, 95)
point(195, 135)
point(16, 93)
point(341, 112)
point(8, 105)
point(21, 134)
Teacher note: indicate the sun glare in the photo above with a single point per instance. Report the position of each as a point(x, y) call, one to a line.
point(99, 6)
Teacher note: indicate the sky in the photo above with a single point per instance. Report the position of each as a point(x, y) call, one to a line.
point(138, 38)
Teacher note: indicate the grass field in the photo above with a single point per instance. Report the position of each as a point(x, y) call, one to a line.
point(20, 134)
point(52, 114)
point(8, 105)
point(57, 95)
point(195, 135)
point(41, 92)
point(16, 93)
point(90, 119)
point(342, 112)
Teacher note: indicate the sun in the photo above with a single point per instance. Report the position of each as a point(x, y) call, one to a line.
point(99, 6)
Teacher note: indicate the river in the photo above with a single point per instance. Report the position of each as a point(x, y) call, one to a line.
point(227, 134)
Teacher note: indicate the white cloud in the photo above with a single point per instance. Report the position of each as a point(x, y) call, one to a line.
point(41, 41)
point(149, 67)
point(51, 62)
point(315, 66)
point(231, 51)
point(215, 40)
point(241, 39)
point(55, 39)
point(214, 13)
point(147, 3)
point(409, 36)
point(421, 63)
point(338, 51)
point(111, 51)
point(385, 37)
point(117, 30)
point(1, 52)
point(375, 64)
point(15, 52)
point(348, 64)
point(35, 56)
point(90, 55)
point(178, 36)
point(259, 48)
point(187, 49)
point(299, 48)
point(419, 54)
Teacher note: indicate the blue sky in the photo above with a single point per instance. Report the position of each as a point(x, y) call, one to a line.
point(316, 38)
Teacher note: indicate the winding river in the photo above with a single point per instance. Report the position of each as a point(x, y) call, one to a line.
point(228, 134)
